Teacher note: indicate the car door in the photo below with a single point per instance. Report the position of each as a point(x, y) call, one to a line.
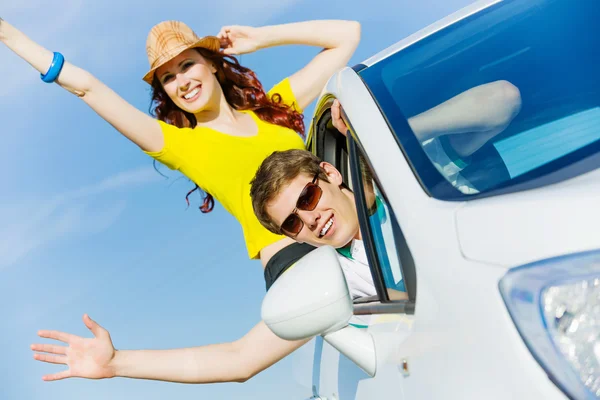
point(335, 376)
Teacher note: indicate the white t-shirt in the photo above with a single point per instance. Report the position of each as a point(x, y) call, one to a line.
point(357, 272)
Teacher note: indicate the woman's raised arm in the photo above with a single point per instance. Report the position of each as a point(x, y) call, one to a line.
point(134, 124)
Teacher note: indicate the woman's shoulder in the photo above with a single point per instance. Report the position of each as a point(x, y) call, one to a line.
point(284, 90)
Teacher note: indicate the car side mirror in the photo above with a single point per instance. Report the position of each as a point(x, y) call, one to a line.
point(311, 298)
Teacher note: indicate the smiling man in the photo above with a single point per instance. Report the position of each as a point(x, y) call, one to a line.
point(296, 194)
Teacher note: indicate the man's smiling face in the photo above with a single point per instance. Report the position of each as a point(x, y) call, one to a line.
point(333, 221)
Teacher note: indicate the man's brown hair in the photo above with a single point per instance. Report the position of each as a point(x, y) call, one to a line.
point(275, 173)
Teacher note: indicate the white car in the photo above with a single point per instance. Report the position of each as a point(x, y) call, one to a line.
point(503, 276)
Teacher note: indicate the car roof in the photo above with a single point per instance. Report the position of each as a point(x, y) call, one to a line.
point(436, 26)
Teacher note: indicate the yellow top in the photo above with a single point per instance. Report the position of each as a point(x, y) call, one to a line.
point(223, 165)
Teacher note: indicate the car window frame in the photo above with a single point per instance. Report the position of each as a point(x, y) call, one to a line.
point(315, 143)
point(402, 252)
point(381, 304)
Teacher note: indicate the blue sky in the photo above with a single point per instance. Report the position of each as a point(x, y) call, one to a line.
point(88, 226)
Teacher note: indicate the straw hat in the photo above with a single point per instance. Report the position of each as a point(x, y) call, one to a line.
point(169, 39)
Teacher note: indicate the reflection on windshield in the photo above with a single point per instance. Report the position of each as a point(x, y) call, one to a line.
point(452, 131)
point(508, 96)
point(534, 147)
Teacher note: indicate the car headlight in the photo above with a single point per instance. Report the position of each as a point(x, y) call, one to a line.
point(555, 305)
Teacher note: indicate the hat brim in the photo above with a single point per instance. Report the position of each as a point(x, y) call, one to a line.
point(211, 43)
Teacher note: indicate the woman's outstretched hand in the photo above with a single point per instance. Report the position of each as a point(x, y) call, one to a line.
point(237, 39)
point(85, 357)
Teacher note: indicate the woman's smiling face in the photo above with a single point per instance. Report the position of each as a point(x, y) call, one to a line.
point(189, 80)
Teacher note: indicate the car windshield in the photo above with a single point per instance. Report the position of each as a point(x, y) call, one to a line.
point(505, 100)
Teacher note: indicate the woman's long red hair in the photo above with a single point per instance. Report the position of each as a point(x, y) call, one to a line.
point(242, 90)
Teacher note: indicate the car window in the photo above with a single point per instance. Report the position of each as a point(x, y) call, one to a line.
point(383, 246)
point(381, 232)
point(505, 100)
point(329, 144)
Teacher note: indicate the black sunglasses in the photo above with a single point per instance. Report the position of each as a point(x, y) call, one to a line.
point(307, 201)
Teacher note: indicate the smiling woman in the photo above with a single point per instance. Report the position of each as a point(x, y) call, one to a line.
point(215, 124)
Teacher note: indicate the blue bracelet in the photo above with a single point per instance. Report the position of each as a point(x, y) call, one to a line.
point(57, 64)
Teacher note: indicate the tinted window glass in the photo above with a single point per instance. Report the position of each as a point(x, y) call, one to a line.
point(509, 96)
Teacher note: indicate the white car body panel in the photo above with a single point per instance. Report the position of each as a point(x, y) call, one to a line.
point(521, 228)
point(461, 335)
point(433, 340)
